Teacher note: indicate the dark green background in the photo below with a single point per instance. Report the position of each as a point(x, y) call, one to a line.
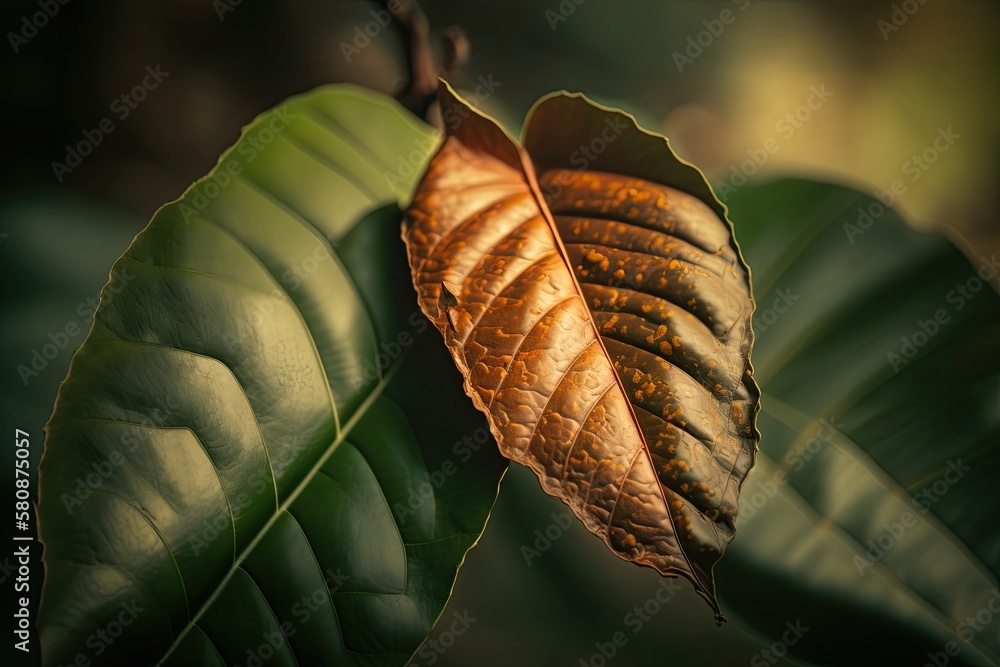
point(890, 97)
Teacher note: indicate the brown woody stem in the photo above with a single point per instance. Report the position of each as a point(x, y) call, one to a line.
point(421, 87)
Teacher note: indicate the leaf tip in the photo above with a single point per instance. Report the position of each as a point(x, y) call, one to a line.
point(475, 129)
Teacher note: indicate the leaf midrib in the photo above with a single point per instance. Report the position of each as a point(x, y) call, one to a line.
point(342, 429)
point(531, 180)
point(283, 507)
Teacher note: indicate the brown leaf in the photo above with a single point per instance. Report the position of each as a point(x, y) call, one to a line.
point(601, 319)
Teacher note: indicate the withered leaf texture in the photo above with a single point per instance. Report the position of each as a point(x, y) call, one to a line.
point(590, 291)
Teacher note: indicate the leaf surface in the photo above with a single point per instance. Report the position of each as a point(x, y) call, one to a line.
point(245, 461)
point(590, 291)
point(872, 510)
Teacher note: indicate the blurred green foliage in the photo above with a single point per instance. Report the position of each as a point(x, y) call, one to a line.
point(892, 92)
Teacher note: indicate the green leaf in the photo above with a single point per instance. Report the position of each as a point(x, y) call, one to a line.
point(871, 512)
point(246, 459)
